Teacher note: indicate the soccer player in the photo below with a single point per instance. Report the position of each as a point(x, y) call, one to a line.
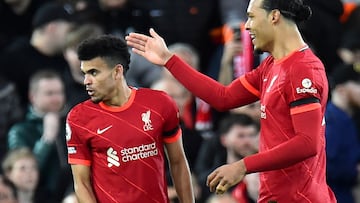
point(117, 140)
point(292, 87)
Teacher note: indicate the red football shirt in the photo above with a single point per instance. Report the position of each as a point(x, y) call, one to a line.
point(291, 86)
point(124, 145)
point(280, 83)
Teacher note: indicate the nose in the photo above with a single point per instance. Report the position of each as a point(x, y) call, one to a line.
point(87, 79)
point(247, 24)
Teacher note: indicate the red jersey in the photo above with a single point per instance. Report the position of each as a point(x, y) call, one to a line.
point(124, 145)
point(293, 85)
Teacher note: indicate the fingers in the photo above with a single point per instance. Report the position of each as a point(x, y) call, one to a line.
point(216, 183)
point(153, 33)
point(220, 189)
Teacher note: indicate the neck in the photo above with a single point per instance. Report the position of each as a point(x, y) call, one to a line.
point(25, 196)
point(231, 158)
point(287, 41)
point(122, 95)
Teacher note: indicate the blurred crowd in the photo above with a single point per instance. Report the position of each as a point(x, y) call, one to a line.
point(40, 80)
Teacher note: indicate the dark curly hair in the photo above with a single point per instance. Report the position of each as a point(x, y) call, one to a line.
point(110, 48)
point(294, 10)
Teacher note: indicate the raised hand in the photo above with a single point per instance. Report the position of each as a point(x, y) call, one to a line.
point(152, 47)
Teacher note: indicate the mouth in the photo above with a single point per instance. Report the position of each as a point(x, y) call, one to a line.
point(90, 91)
point(252, 36)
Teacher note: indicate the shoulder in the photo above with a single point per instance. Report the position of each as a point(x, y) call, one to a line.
point(80, 110)
point(152, 95)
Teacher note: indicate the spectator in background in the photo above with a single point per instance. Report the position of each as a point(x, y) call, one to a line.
point(236, 139)
point(51, 24)
point(122, 17)
point(43, 131)
point(73, 77)
point(8, 192)
point(349, 49)
point(10, 111)
point(323, 36)
point(20, 166)
point(192, 22)
point(15, 19)
point(342, 142)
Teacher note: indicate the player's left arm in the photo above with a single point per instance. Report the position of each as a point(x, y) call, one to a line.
point(180, 171)
point(305, 144)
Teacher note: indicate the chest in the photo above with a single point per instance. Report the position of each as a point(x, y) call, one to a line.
point(124, 129)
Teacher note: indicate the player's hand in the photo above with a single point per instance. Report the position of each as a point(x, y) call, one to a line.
point(222, 178)
point(152, 47)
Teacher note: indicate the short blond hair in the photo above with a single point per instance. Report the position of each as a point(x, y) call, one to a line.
point(15, 155)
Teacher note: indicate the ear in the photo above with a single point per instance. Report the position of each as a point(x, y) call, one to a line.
point(119, 71)
point(275, 15)
point(223, 140)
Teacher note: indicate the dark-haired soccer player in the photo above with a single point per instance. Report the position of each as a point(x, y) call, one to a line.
point(293, 90)
point(117, 139)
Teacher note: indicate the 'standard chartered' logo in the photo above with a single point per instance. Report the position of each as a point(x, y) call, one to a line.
point(112, 158)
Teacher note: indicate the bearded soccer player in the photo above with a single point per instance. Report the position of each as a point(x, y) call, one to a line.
point(292, 87)
point(117, 140)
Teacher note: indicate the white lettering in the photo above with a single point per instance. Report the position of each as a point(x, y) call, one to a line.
point(306, 90)
point(139, 152)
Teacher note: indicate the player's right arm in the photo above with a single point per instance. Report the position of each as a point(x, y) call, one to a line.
point(82, 183)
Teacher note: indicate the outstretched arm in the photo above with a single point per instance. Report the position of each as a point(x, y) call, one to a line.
point(221, 97)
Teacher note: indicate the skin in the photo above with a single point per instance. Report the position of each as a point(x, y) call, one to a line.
point(6, 193)
point(269, 31)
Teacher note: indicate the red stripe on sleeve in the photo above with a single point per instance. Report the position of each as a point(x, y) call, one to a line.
point(304, 108)
point(173, 138)
point(249, 87)
point(79, 161)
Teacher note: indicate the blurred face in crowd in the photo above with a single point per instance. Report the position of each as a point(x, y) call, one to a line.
point(112, 4)
point(352, 89)
point(6, 193)
point(175, 90)
point(58, 35)
point(48, 95)
point(24, 174)
point(241, 140)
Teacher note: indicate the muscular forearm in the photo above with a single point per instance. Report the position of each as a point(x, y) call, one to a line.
point(182, 181)
point(84, 194)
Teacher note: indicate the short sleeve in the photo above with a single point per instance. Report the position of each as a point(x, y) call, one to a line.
point(78, 151)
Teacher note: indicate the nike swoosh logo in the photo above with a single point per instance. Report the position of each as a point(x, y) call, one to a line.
point(101, 131)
